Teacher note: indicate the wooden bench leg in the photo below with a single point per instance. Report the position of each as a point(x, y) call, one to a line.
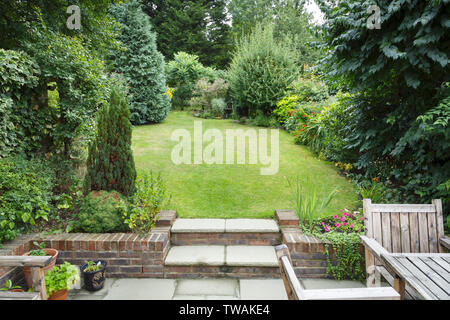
point(37, 278)
point(370, 269)
point(399, 286)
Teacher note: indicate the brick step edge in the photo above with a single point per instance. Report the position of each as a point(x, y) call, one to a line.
point(213, 238)
point(245, 272)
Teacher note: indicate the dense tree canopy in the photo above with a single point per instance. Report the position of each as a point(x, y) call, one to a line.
point(196, 27)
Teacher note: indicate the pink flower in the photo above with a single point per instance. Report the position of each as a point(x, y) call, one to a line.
point(341, 218)
point(340, 210)
point(322, 223)
point(345, 223)
point(337, 225)
point(335, 216)
point(326, 229)
point(346, 214)
point(351, 226)
point(362, 218)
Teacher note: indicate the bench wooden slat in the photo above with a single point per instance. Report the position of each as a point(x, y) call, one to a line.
point(439, 223)
point(423, 232)
point(6, 295)
point(386, 231)
point(414, 231)
point(380, 293)
point(422, 277)
point(395, 232)
point(445, 273)
point(413, 282)
point(445, 242)
point(25, 261)
point(437, 278)
point(377, 207)
point(404, 232)
point(376, 249)
point(432, 233)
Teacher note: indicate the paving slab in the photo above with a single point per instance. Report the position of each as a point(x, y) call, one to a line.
point(256, 256)
point(196, 255)
point(267, 289)
point(83, 294)
point(198, 225)
point(141, 289)
point(204, 287)
point(251, 225)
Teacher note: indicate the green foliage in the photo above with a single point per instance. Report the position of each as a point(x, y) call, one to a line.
point(8, 286)
point(39, 251)
point(309, 204)
point(218, 106)
point(262, 120)
point(142, 65)
point(18, 76)
point(290, 21)
point(398, 76)
point(110, 164)
point(145, 204)
point(198, 27)
point(92, 266)
point(374, 191)
point(260, 72)
point(99, 212)
point(342, 231)
point(309, 90)
point(61, 277)
point(205, 93)
point(183, 72)
point(285, 106)
point(25, 195)
point(349, 261)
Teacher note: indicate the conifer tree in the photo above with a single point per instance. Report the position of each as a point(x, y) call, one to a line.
point(110, 164)
point(141, 63)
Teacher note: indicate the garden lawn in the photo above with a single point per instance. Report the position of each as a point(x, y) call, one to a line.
point(233, 191)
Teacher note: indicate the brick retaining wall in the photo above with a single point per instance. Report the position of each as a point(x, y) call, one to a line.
point(232, 238)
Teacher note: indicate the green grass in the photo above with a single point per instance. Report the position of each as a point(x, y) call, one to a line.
point(233, 191)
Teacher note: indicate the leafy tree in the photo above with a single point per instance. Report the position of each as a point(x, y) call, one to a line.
point(110, 164)
point(198, 27)
point(142, 65)
point(290, 21)
point(399, 77)
point(261, 71)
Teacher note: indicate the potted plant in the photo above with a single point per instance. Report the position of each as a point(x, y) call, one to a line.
point(94, 274)
point(39, 251)
point(60, 280)
point(9, 287)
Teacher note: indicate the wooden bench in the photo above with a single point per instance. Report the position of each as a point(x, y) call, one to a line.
point(37, 275)
point(295, 290)
point(400, 228)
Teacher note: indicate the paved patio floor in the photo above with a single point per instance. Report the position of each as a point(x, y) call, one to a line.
point(200, 289)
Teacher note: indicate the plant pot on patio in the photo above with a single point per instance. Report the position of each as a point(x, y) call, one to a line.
point(94, 274)
point(59, 295)
point(39, 252)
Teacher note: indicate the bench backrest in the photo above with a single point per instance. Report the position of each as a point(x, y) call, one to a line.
point(404, 228)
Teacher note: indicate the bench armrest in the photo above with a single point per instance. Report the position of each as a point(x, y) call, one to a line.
point(374, 247)
point(445, 242)
point(25, 261)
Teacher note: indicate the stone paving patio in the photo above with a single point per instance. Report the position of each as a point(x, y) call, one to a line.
point(200, 289)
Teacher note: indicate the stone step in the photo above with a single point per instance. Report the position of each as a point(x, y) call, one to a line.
point(221, 261)
point(225, 232)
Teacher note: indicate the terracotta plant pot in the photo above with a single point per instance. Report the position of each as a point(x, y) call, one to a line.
point(27, 270)
point(59, 295)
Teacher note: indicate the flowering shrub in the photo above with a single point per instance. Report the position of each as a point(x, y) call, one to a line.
point(342, 230)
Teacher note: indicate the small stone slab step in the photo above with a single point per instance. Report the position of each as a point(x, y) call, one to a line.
point(254, 256)
point(196, 255)
point(251, 225)
point(198, 225)
point(240, 256)
point(225, 226)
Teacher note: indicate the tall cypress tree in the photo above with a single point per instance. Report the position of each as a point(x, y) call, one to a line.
point(110, 164)
point(141, 63)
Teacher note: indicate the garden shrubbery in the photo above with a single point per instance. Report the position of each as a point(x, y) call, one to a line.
point(209, 98)
point(25, 195)
point(260, 72)
point(183, 72)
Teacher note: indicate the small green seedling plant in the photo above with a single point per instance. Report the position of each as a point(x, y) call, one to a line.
point(61, 277)
point(8, 286)
point(92, 266)
point(39, 251)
